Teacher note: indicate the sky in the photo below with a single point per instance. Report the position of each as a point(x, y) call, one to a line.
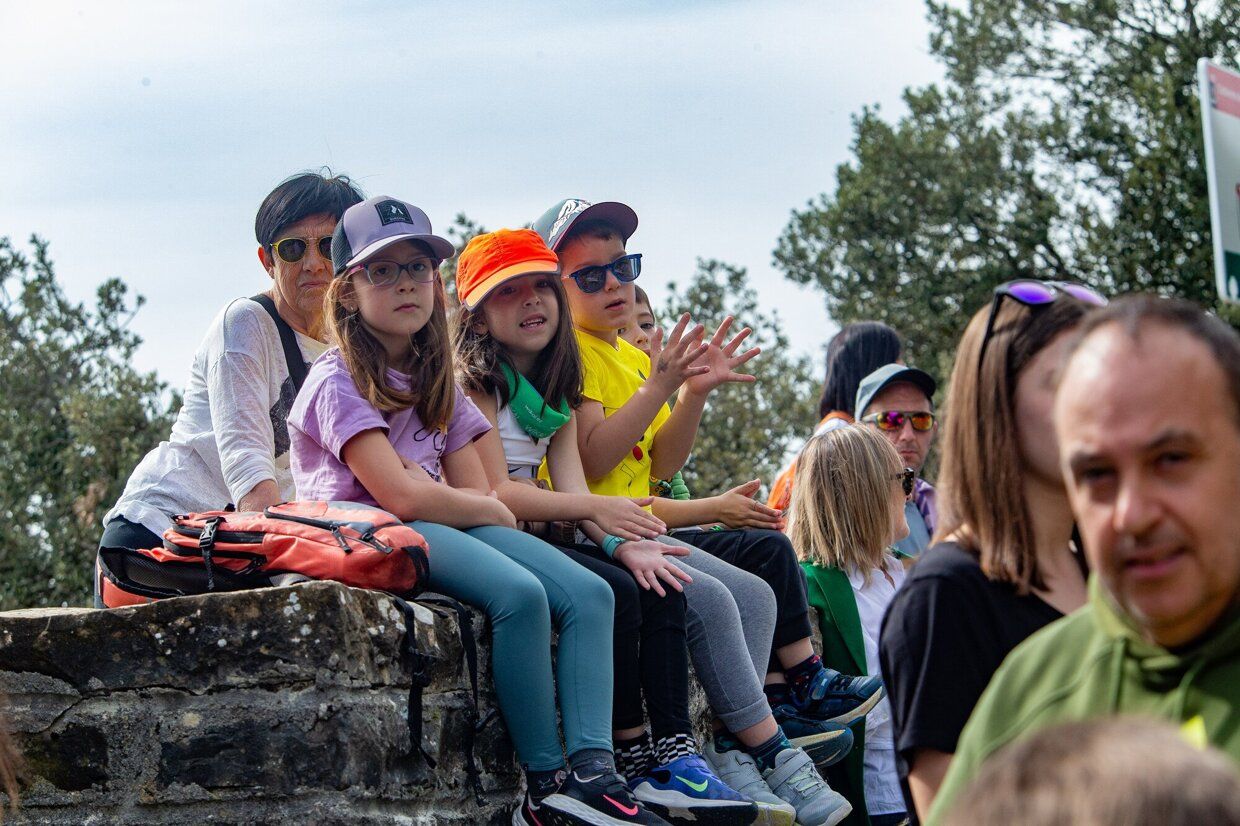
point(140, 138)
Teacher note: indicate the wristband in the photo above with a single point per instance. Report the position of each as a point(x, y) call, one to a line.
point(610, 543)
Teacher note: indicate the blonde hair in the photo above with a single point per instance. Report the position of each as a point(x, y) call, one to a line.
point(429, 363)
point(841, 499)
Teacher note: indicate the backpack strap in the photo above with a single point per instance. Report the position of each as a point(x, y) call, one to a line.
point(288, 339)
point(465, 627)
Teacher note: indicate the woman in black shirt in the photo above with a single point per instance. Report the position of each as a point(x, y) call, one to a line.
point(1003, 565)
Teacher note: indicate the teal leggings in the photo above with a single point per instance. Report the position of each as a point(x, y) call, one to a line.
point(523, 584)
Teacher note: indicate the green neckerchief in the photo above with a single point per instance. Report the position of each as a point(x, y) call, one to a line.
point(535, 416)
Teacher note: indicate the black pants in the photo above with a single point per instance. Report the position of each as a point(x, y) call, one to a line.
point(649, 649)
point(119, 532)
point(769, 556)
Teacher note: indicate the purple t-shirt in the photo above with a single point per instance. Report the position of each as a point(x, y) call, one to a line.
point(330, 410)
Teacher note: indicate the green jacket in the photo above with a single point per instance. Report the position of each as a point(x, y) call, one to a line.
point(1094, 663)
point(844, 650)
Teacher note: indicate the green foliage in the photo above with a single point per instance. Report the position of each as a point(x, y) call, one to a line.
point(1064, 143)
point(75, 418)
point(747, 428)
point(462, 230)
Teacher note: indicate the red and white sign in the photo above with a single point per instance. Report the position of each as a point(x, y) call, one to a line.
point(1220, 124)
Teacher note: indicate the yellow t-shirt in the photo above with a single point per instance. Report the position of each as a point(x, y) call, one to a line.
point(611, 376)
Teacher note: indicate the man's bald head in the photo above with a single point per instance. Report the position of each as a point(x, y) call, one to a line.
point(1147, 416)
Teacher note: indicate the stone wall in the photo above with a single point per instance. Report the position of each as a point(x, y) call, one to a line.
point(282, 705)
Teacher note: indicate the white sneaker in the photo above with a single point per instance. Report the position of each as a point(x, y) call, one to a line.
point(739, 771)
point(795, 780)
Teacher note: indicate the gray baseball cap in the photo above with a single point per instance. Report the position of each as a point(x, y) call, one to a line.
point(555, 223)
point(887, 375)
point(377, 223)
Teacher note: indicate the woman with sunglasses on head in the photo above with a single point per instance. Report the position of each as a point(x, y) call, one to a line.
point(230, 441)
point(1002, 564)
point(849, 496)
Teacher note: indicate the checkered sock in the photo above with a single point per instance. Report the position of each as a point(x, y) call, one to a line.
point(634, 757)
point(673, 746)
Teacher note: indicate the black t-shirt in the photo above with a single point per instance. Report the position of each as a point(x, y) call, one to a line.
point(943, 637)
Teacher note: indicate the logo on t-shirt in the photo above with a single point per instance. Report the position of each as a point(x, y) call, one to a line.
point(391, 212)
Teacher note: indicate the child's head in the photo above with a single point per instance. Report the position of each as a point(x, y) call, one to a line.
point(1127, 770)
point(386, 306)
point(641, 324)
point(513, 311)
point(848, 499)
point(590, 242)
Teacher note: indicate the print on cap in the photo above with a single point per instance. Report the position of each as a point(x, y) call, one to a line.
point(571, 207)
point(391, 212)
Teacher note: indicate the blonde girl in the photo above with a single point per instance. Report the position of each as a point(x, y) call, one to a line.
point(848, 504)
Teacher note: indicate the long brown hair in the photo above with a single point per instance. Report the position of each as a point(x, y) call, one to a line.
point(557, 372)
point(841, 495)
point(981, 501)
point(432, 389)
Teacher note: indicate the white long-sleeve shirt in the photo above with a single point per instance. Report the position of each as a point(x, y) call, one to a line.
point(231, 433)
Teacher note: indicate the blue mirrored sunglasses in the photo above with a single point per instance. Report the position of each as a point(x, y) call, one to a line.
point(626, 268)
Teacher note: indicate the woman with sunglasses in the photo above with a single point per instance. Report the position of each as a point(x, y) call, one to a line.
point(849, 496)
point(230, 441)
point(1003, 564)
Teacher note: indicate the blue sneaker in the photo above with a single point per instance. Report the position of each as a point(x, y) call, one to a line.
point(825, 742)
point(686, 791)
point(838, 698)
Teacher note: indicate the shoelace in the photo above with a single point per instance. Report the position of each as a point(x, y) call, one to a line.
point(806, 780)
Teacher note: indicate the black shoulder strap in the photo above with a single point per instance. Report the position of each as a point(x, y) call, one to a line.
point(292, 353)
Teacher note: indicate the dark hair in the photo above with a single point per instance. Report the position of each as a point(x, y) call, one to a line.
point(981, 498)
point(557, 372)
point(856, 351)
point(1135, 312)
point(300, 196)
point(592, 228)
point(642, 298)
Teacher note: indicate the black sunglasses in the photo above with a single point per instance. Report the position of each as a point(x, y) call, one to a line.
point(1033, 293)
point(293, 250)
point(906, 477)
point(626, 268)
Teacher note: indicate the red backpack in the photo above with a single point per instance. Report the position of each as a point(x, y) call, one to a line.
point(296, 541)
point(293, 542)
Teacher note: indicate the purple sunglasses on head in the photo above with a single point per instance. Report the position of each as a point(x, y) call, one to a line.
point(1034, 293)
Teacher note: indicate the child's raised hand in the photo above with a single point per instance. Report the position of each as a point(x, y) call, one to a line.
point(738, 509)
point(648, 563)
point(671, 366)
point(627, 518)
point(721, 361)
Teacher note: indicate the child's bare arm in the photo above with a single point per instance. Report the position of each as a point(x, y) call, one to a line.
point(736, 509)
point(373, 460)
point(604, 441)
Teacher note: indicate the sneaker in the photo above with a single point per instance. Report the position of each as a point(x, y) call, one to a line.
point(686, 791)
point(838, 698)
point(826, 743)
point(530, 813)
point(795, 780)
point(600, 801)
point(739, 771)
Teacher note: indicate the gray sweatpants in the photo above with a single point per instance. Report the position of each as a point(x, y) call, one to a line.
point(730, 623)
